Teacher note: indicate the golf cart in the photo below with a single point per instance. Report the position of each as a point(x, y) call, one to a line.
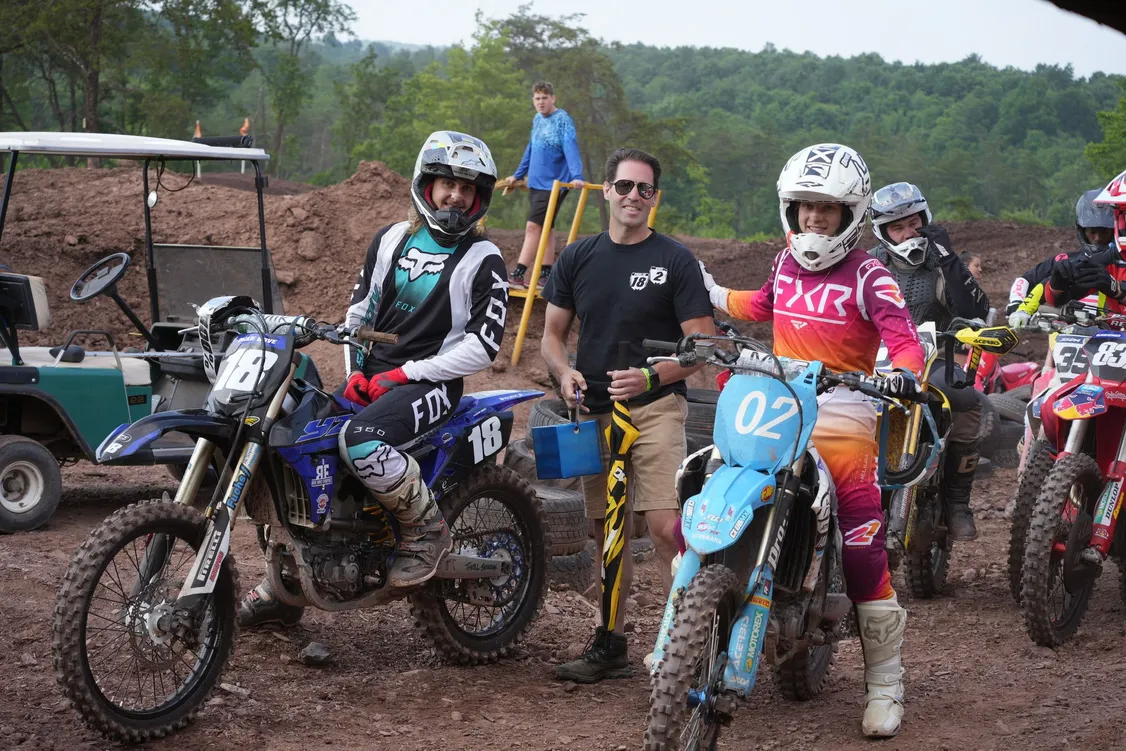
point(58, 403)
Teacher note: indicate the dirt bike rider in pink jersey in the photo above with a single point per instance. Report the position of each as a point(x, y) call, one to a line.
point(830, 301)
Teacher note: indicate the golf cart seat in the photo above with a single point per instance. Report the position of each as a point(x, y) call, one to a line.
point(136, 372)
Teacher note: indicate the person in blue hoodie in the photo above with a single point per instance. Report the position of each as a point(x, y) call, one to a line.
point(552, 154)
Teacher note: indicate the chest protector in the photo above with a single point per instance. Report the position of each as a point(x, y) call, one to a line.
point(923, 288)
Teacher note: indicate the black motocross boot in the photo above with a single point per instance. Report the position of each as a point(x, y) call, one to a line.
point(260, 607)
point(606, 657)
point(959, 482)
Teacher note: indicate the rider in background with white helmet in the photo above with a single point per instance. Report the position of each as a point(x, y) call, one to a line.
point(938, 288)
point(830, 301)
point(440, 285)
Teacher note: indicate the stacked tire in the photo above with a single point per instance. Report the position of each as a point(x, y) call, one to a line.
point(574, 557)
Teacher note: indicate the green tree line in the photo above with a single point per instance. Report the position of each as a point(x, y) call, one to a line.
point(980, 141)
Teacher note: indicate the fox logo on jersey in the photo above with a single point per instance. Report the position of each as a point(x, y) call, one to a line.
point(417, 262)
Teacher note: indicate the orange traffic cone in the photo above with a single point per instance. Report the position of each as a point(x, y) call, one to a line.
point(245, 127)
point(198, 134)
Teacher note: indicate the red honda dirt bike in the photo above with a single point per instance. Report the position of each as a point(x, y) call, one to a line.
point(1069, 328)
point(1073, 527)
point(994, 378)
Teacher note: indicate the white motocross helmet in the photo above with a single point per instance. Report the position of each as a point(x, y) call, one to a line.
point(825, 173)
point(892, 203)
point(447, 153)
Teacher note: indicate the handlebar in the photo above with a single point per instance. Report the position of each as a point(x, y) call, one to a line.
point(662, 346)
point(367, 335)
point(307, 329)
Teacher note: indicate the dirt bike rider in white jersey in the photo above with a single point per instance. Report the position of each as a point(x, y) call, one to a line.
point(440, 285)
point(938, 287)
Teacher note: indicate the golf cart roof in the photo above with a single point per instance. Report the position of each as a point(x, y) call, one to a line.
point(113, 146)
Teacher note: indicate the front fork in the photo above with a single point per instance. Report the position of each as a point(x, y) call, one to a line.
point(200, 582)
point(1106, 511)
point(748, 631)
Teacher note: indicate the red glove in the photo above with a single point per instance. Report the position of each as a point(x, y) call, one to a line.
point(357, 389)
point(381, 383)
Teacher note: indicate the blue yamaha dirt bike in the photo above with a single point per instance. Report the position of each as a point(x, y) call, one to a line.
point(762, 574)
point(145, 618)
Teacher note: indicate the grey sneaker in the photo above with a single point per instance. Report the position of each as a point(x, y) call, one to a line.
point(260, 608)
point(606, 657)
point(419, 555)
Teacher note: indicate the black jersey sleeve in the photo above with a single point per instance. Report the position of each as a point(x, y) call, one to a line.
point(965, 297)
point(690, 296)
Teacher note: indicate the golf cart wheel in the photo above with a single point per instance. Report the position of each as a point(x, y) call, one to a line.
point(30, 484)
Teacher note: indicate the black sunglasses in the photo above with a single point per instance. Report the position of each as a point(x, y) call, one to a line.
point(645, 190)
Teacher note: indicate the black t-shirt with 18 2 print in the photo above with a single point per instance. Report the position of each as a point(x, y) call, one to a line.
point(626, 293)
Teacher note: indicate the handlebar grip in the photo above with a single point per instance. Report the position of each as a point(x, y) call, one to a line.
point(658, 344)
point(367, 335)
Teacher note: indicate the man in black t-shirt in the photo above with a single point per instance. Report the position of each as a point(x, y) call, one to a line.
point(625, 285)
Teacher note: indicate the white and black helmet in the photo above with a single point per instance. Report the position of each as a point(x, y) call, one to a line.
point(825, 173)
point(892, 203)
point(447, 153)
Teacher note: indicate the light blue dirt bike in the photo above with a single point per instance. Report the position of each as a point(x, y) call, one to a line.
point(762, 574)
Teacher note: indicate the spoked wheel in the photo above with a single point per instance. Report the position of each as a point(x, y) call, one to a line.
point(132, 667)
point(682, 706)
point(1036, 469)
point(493, 513)
point(1056, 584)
point(926, 566)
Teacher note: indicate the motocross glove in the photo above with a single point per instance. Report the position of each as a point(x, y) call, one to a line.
point(900, 384)
point(1018, 319)
point(939, 240)
point(357, 389)
point(381, 383)
point(1108, 285)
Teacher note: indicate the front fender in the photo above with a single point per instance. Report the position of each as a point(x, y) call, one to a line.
point(132, 444)
point(714, 518)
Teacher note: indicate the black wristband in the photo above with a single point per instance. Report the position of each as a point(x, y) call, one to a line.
point(652, 378)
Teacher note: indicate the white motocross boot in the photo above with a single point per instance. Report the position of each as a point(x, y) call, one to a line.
point(882, 625)
point(424, 537)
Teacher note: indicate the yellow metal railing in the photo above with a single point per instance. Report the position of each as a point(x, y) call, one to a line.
point(532, 293)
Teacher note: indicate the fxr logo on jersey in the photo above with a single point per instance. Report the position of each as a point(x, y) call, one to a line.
point(824, 302)
point(639, 280)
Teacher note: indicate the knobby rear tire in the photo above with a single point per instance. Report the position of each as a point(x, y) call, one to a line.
point(429, 607)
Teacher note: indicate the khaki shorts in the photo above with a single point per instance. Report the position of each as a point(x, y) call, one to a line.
point(652, 460)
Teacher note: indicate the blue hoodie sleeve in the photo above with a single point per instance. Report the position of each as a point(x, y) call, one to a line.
point(571, 149)
point(524, 163)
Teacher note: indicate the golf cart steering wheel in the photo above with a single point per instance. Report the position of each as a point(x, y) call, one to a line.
point(100, 278)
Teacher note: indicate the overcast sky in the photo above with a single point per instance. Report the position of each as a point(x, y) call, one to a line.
point(1020, 33)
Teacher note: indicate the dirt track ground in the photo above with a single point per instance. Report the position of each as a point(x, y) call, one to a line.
point(974, 679)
